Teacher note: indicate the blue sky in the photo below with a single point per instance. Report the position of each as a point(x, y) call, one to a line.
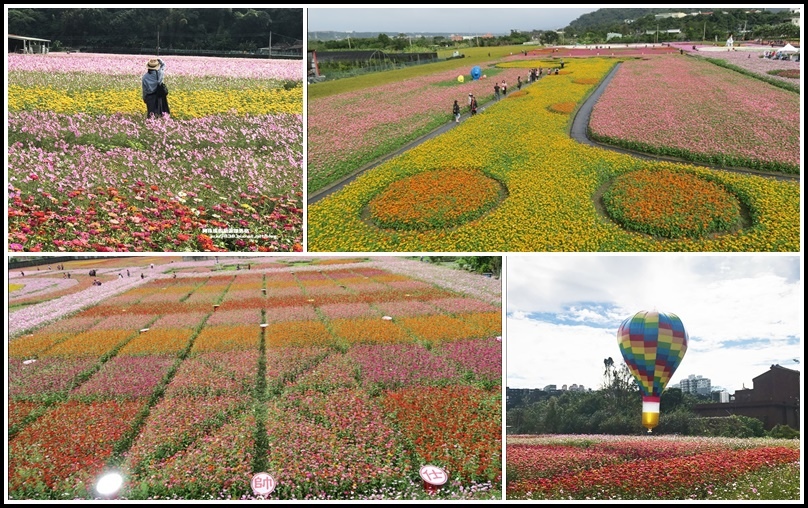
point(742, 314)
point(496, 18)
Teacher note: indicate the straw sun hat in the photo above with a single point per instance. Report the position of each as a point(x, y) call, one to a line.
point(153, 64)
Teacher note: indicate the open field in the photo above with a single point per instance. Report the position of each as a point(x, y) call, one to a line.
point(553, 187)
point(340, 379)
point(88, 172)
point(599, 467)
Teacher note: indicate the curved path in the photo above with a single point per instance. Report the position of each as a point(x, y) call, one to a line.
point(580, 125)
point(578, 132)
point(339, 184)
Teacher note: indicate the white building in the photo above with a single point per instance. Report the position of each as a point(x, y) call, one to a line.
point(670, 15)
point(697, 385)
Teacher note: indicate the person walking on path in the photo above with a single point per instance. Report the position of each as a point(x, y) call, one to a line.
point(456, 111)
point(518, 82)
point(504, 87)
point(473, 105)
point(496, 91)
point(154, 92)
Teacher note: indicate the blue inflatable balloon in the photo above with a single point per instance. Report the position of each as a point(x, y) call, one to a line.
point(476, 72)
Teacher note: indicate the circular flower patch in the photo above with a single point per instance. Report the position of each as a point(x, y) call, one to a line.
point(562, 107)
point(585, 81)
point(435, 199)
point(786, 73)
point(671, 205)
point(520, 93)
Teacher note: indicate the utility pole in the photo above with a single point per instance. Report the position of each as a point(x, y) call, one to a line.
point(269, 49)
point(704, 34)
point(158, 42)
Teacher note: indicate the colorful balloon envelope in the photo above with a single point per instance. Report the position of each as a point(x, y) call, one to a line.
point(653, 345)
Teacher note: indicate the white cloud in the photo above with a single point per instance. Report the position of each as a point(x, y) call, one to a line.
point(741, 312)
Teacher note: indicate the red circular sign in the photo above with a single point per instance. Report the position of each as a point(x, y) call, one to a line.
point(433, 475)
point(262, 484)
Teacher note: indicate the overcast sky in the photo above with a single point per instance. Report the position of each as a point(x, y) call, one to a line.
point(742, 314)
point(496, 19)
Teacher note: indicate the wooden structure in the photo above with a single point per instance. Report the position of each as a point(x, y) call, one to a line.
point(28, 45)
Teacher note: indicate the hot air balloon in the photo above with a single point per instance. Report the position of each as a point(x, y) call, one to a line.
point(653, 345)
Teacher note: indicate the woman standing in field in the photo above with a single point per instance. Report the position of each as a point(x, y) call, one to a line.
point(154, 91)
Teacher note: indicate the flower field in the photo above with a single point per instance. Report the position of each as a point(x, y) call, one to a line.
point(752, 125)
point(88, 172)
point(750, 60)
point(348, 130)
point(551, 182)
point(339, 379)
point(601, 467)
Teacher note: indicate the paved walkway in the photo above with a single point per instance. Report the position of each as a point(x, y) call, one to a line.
point(336, 186)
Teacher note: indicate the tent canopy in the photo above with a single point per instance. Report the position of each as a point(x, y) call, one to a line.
point(788, 48)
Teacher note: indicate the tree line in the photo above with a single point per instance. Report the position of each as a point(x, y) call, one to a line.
point(223, 29)
point(742, 24)
point(616, 408)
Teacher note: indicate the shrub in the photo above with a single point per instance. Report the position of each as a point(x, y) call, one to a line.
point(783, 432)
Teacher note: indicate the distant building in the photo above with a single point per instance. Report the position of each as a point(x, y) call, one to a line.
point(774, 399)
point(613, 35)
point(670, 15)
point(550, 388)
point(696, 385)
point(796, 18)
point(516, 397)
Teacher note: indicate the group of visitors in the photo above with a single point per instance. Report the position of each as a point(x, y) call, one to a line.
point(501, 90)
point(778, 55)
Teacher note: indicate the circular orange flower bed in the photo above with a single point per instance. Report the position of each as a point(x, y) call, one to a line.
point(585, 81)
point(520, 93)
point(435, 199)
point(562, 107)
point(671, 205)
